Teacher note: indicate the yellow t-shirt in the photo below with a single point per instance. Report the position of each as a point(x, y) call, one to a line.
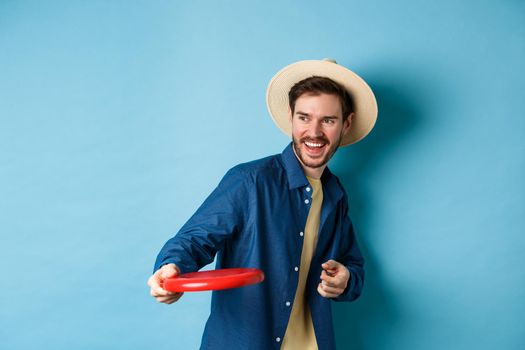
point(300, 333)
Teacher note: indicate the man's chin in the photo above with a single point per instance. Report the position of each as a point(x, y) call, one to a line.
point(314, 163)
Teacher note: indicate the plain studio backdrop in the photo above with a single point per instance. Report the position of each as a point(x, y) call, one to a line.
point(117, 118)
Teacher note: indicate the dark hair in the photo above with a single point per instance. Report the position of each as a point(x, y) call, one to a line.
point(321, 85)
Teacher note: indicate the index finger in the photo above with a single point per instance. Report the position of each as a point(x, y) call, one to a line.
point(155, 283)
point(331, 265)
point(330, 280)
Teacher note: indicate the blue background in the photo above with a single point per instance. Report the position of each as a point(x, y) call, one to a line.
point(117, 118)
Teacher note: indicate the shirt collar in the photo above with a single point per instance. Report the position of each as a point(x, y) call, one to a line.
point(296, 177)
point(294, 171)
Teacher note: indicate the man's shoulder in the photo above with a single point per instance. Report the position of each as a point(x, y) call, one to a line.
point(269, 165)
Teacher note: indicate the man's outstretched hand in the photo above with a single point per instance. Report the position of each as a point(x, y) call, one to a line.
point(334, 279)
point(155, 282)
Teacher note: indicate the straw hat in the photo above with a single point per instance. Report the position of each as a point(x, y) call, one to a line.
point(364, 101)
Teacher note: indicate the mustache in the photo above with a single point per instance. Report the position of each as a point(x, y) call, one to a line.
point(315, 140)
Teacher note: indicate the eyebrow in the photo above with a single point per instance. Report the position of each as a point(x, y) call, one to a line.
point(324, 117)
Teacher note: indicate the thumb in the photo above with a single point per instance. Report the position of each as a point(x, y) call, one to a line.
point(330, 265)
point(169, 270)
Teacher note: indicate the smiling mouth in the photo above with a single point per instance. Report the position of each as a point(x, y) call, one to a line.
point(314, 147)
point(314, 144)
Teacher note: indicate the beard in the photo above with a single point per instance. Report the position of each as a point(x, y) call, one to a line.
point(318, 162)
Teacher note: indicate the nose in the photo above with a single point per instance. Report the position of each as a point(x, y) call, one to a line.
point(315, 129)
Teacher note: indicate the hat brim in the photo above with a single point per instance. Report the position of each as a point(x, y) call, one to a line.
point(364, 101)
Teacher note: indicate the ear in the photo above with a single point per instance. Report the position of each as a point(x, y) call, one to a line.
point(289, 115)
point(347, 124)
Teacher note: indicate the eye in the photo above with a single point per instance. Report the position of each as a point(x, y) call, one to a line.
point(329, 121)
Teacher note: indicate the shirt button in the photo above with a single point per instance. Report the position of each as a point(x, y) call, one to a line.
point(301, 233)
point(296, 268)
point(277, 339)
point(306, 201)
point(307, 189)
point(287, 303)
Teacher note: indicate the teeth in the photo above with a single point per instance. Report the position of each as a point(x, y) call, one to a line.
point(312, 144)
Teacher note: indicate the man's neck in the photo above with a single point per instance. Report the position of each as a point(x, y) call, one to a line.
point(314, 173)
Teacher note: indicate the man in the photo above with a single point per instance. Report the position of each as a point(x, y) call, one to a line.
point(286, 214)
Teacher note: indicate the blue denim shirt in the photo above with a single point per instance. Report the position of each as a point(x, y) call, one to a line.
point(255, 218)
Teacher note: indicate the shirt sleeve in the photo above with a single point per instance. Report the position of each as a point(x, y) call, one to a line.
point(351, 257)
point(218, 219)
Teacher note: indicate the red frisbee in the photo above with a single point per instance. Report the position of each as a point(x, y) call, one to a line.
point(213, 280)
